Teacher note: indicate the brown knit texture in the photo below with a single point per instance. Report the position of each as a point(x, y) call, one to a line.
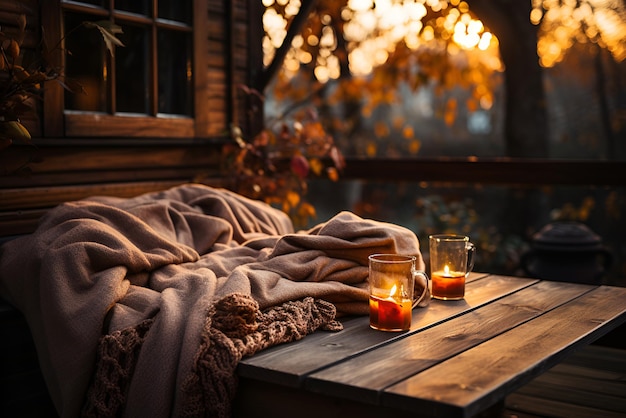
point(236, 328)
point(116, 358)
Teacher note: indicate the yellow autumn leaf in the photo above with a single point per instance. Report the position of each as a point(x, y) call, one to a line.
point(20, 73)
point(486, 101)
point(371, 149)
point(14, 49)
point(306, 210)
point(292, 198)
point(14, 130)
point(414, 146)
point(450, 113)
point(408, 132)
point(332, 173)
point(471, 105)
point(316, 166)
point(381, 129)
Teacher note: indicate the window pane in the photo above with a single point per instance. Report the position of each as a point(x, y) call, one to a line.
point(85, 63)
point(133, 71)
point(175, 10)
point(175, 74)
point(142, 7)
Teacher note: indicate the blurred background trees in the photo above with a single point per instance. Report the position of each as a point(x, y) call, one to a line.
point(468, 79)
point(354, 60)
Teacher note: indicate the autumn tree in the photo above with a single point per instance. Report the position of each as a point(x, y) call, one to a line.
point(320, 43)
point(526, 124)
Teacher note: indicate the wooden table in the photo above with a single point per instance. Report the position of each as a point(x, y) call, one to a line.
point(460, 358)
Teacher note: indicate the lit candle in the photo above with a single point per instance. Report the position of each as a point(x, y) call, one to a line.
point(390, 313)
point(448, 284)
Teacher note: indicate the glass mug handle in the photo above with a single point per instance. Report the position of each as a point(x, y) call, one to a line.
point(471, 252)
point(420, 284)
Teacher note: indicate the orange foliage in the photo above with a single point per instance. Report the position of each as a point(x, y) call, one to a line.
point(450, 112)
point(381, 129)
point(276, 164)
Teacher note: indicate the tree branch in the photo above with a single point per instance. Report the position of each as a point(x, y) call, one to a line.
point(294, 28)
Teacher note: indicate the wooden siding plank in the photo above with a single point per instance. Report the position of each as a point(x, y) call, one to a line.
point(68, 159)
point(42, 196)
point(19, 222)
point(26, 197)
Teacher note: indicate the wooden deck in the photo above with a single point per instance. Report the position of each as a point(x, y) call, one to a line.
point(589, 384)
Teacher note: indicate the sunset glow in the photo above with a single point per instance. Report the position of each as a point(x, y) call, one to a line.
point(565, 22)
point(373, 28)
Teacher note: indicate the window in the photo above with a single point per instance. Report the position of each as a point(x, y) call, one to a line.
point(124, 138)
point(154, 86)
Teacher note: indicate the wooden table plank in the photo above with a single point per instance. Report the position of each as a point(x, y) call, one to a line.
point(365, 376)
point(479, 377)
point(289, 364)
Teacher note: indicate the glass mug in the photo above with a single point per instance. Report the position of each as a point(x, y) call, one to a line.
point(395, 287)
point(451, 260)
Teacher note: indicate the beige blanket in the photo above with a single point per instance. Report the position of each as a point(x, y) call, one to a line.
point(143, 306)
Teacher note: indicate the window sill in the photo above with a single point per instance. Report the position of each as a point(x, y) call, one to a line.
point(102, 125)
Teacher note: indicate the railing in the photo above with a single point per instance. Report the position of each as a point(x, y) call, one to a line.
point(489, 171)
point(70, 173)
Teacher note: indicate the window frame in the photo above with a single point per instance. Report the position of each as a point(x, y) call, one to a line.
point(62, 123)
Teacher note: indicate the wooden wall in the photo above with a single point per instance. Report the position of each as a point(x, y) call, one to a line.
point(34, 178)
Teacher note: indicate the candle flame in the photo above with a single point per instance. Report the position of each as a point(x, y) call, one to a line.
point(446, 270)
point(393, 290)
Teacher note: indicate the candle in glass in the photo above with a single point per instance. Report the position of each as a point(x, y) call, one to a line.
point(451, 260)
point(391, 286)
point(448, 284)
point(390, 313)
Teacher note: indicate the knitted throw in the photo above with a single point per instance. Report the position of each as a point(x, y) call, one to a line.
point(117, 355)
point(234, 328)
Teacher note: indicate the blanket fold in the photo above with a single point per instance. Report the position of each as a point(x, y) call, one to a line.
point(144, 306)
